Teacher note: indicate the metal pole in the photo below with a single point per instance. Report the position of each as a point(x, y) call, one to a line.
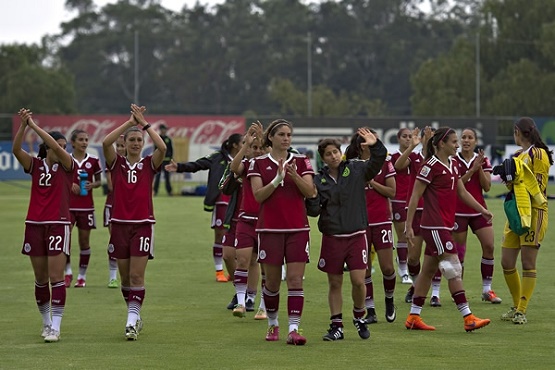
point(478, 74)
point(309, 75)
point(136, 57)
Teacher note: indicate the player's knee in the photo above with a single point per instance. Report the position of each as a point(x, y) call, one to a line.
point(450, 269)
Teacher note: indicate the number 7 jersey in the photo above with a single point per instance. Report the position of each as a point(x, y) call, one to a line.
point(132, 191)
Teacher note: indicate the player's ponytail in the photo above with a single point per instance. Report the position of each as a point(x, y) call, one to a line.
point(529, 130)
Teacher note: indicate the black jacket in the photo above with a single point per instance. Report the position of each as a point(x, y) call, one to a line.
point(342, 204)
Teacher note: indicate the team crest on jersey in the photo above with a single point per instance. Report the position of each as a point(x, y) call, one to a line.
point(110, 248)
point(262, 254)
point(322, 263)
point(449, 246)
point(323, 181)
point(88, 165)
point(346, 172)
point(55, 167)
point(140, 166)
point(425, 171)
point(218, 222)
point(27, 247)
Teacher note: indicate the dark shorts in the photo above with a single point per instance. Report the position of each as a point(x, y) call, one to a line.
point(275, 247)
point(84, 220)
point(128, 240)
point(475, 222)
point(438, 242)
point(380, 236)
point(245, 234)
point(218, 216)
point(336, 251)
point(229, 237)
point(46, 239)
point(399, 211)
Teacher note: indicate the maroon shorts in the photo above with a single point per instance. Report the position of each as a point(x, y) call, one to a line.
point(218, 216)
point(475, 222)
point(46, 239)
point(273, 248)
point(229, 236)
point(107, 215)
point(336, 251)
point(84, 220)
point(128, 240)
point(416, 223)
point(380, 236)
point(245, 234)
point(399, 211)
point(438, 242)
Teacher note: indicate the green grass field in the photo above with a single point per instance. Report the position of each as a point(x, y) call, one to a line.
point(188, 327)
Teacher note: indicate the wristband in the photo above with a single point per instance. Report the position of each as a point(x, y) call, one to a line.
point(278, 179)
point(146, 127)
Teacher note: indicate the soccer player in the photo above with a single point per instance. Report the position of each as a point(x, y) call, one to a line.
point(475, 172)
point(343, 221)
point(280, 182)
point(132, 237)
point(215, 201)
point(537, 156)
point(438, 182)
point(47, 225)
point(112, 262)
point(81, 206)
point(378, 232)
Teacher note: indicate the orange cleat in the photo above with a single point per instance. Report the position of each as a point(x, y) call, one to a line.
point(414, 322)
point(472, 323)
point(220, 277)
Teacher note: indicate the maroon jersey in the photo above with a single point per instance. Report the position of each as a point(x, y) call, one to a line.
point(440, 196)
point(50, 189)
point(110, 195)
point(416, 160)
point(249, 206)
point(132, 190)
point(377, 206)
point(284, 211)
point(472, 185)
point(91, 165)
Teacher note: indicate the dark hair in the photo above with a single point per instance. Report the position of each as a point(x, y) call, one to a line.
point(56, 135)
point(324, 143)
point(441, 134)
point(529, 130)
point(130, 130)
point(400, 132)
point(355, 149)
point(272, 128)
point(76, 132)
point(233, 139)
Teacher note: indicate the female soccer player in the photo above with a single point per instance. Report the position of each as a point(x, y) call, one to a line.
point(47, 225)
point(81, 206)
point(343, 222)
point(112, 262)
point(537, 156)
point(215, 201)
point(378, 232)
point(475, 172)
point(280, 182)
point(132, 238)
point(438, 183)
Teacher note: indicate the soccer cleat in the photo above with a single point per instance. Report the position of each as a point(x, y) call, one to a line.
point(435, 302)
point(472, 323)
point(272, 334)
point(239, 311)
point(408, 296)
point(362, 329)
point(295, 338)
point(334, 333)
point(67, 280)
point(260, 314)
point(53, 336)
point(405, 279)
point(371, 317)
point(519, 318)
point(491, 297)
point(231, 305)
point(131, 333)
point(80, 283)
point(220, 277)
point(509, 315)
point(390, 313)
point(113, 283)
point(415, 322)
point(249, 305)
point(139, 325)
point(46, 331)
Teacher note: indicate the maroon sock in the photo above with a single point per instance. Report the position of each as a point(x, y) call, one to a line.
point(58, 298)
point(42, 296)
point(486, 267)
point(136, 299)
point(271, 300)
point(389, 284)
point(295, 302)
point(414, 269)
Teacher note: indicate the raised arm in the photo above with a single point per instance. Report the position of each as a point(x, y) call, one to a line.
point(22, 156)
point(110, 139)
point(403, 160)
point(160, 146)
point(236, 166)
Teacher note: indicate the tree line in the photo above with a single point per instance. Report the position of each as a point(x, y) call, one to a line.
point(346, 58)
